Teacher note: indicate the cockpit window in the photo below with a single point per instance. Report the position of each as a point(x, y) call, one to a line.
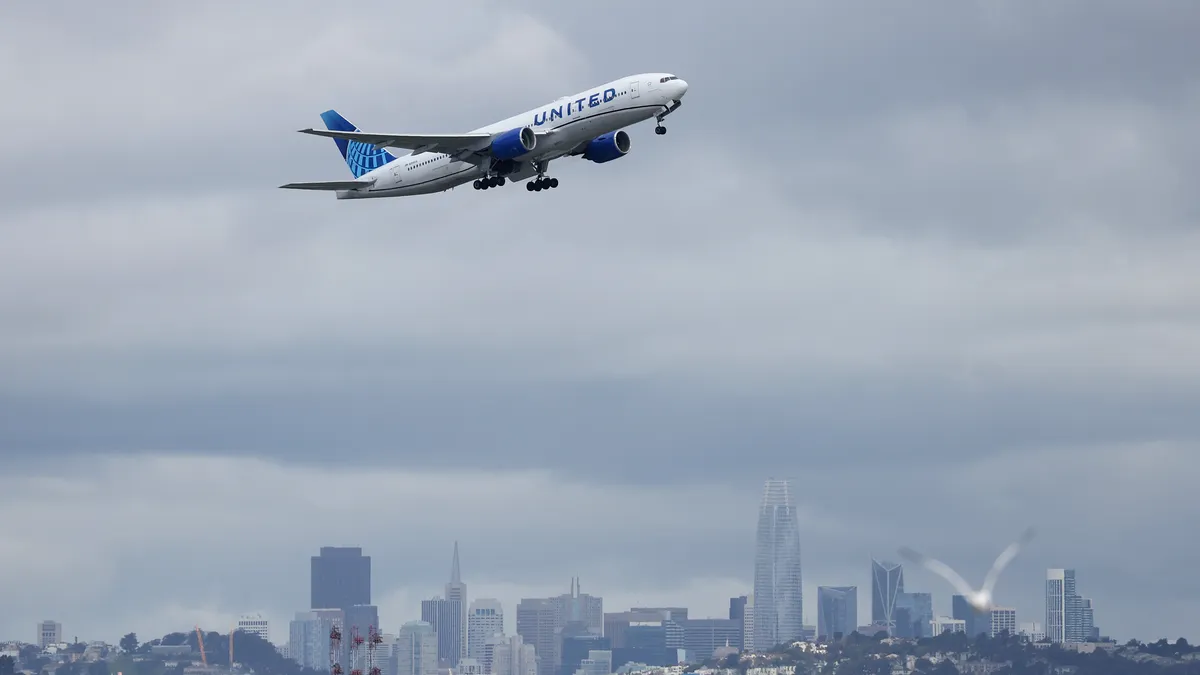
point(668, 79)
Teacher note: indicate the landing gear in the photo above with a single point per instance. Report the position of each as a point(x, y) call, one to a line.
point(660, 129)
point(488, 182)
point(541, 183)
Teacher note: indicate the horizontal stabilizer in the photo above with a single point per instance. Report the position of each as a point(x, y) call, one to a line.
point(330, 185)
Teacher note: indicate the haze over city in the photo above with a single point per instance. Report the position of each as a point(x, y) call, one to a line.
point(936, 265)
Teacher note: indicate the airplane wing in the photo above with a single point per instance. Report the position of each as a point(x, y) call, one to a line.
point(448, 143)
point(451, 144)
point(330, 185)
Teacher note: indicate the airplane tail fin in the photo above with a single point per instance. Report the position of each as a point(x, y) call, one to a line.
point(360, 157)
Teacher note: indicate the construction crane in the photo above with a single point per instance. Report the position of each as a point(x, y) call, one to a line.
point(200, 640)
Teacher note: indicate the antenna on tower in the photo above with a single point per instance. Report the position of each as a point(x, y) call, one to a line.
point(355, 644)
point(335, 650)
point(374, 639)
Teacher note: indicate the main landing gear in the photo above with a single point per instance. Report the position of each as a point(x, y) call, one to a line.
point(542, 182)
point(488, 182)
point(660, 130)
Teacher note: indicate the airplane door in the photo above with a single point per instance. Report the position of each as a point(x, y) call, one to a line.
point(633, 89)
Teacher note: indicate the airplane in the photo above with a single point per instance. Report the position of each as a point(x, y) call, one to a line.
point(589, 124)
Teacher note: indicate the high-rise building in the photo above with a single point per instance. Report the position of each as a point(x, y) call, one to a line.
point(456, 590)
point(341, 578)
point(514, 657)
point(778, 587)
point(1087, 620)
point(49, 633)
point(446, 618)
point(1003, 619)
point(887, 583)
point(977, 623)
point(1069, 617)
point(361, 620)
point(673, 619)
point(308, 637)
point(703, 637)
point(416, 649)
point(748, 625)
point(485, 620)
point(912, 615)
point(540, 621)
point(255, 624)
point(737, 608)
point(537, 621)
point(837, 611)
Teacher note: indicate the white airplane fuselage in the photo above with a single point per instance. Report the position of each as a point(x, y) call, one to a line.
point(562, 128)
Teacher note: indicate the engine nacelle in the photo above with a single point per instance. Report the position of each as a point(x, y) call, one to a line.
point(514, 143)
point(606, 148)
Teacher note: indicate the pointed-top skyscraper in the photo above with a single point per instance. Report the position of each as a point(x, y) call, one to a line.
point(778, 590)
point(457, 590)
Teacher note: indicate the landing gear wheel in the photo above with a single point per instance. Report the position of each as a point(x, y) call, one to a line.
point(660, 130)
point(541, 183)
point(478, 184)
point(531, 186)
point(553, 182)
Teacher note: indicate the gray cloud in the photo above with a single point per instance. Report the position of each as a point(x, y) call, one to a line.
point(880, 251)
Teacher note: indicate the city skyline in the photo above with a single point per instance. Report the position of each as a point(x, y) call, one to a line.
point(886, 592)
point(953, 294)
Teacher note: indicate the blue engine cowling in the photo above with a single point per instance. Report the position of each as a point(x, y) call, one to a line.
point(514, 143)
point(606, 148)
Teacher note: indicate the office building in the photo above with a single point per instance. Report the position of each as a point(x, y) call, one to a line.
point(255, 624)
point(456, 591)
point(837, 611)
point(415, 651)
point(341, 578)
point(737, 608)
point(887, 583)
point(778, 584)
point(944, 624)
point(49, 633)
point(1033, 631)
point(703, 637)
point(513, 657)
point(912, 615)
point(977, 623)
point(1004, 619)
point(540, 622)
point(446, 618)
point(485, 620)
point(1069, 617)
point(308, 637)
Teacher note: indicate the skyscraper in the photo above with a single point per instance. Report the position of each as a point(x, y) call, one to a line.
point(1066, 620)
point(341, 578)
point(456, 590)
point(1004, 619)
point(887, 583)
point(485, 620)
point(737, 608)
point(778, 589)
point(977, 622)
point(445, 616)
point(416, 649)
point(837, 611)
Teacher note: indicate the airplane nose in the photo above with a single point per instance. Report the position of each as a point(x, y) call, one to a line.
point(682, 86)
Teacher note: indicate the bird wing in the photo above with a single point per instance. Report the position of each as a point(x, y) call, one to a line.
point(939, 568)
point(1005, 558)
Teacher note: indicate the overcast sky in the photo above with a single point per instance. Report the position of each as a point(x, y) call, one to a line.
point(937, 263)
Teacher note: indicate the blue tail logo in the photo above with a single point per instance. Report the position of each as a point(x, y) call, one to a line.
point(360, 157)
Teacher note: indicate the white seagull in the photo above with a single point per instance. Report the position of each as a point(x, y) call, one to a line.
point(980, 599)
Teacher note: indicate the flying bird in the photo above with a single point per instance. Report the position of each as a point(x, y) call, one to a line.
point(980, 599)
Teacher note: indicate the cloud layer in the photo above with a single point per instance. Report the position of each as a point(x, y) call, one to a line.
point(936, 264)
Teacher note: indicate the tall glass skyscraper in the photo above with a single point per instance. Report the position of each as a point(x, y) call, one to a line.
point(778, 591)
point(887, 583)
point(837, 611)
